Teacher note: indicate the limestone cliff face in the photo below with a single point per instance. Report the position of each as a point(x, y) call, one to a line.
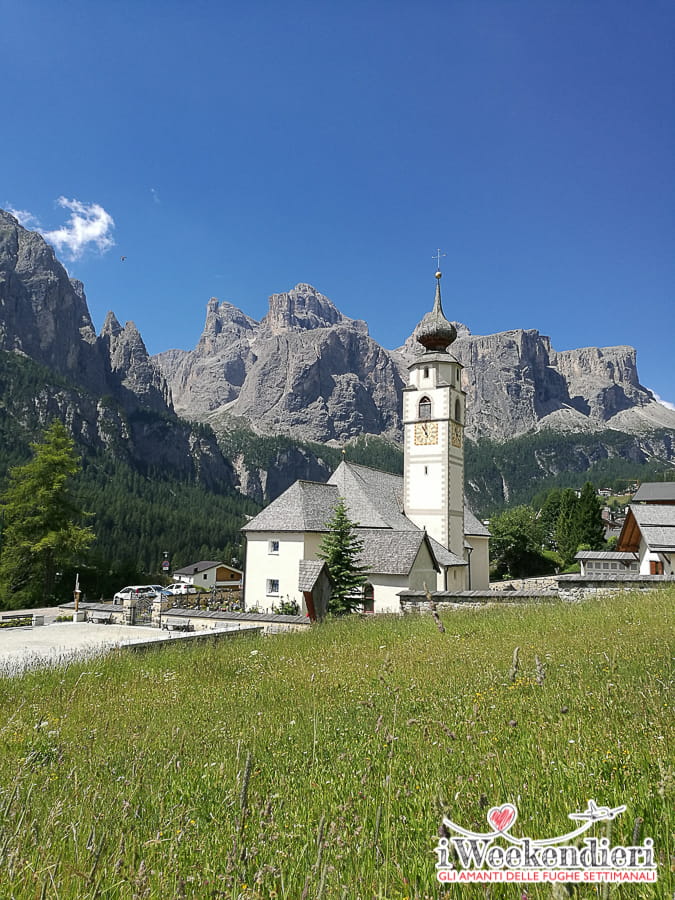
point(305, 370)
point(516, 382)
point(43, 314)
point(309, 371)
point(107, 390)
point(131, 366)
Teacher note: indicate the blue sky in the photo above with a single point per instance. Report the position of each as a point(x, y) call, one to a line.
point(240, 148)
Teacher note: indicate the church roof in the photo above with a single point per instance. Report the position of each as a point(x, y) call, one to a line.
point(472, 525)
point(434, 332)
point(444, 556)
point(374, 499)
point(391, 552)
point(304, 506)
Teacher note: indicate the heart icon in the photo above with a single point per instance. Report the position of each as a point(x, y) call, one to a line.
point(501, 818)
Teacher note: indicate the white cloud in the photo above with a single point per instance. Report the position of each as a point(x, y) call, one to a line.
point(89, 224)
point(25, 218)
point(155, 196)
point(665, 403)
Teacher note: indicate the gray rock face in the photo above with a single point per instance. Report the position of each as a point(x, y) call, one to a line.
point(517, 383)
point(131, 366)
point(309, 371)
point(117, 398)
point(42, 313)
point(305, 370)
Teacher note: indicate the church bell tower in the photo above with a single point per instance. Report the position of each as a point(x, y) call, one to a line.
point(434, 407)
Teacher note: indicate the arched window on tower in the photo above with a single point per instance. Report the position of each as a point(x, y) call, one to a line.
point(458, 411)
point(425, 408)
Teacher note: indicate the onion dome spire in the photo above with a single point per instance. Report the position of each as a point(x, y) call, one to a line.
point(434, 332)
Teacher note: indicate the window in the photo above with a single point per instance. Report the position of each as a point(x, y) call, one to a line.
point(426, 371)
point(273, 547)
point(458, 411)
point(206, 576)
point(426, 470)
point(368, 598)
point(655, 567)
point(425, 408)
point(272, 585)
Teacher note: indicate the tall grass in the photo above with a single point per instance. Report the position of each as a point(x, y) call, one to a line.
point(319, 765)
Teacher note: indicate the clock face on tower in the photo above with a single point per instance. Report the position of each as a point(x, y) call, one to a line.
point(426, 433)
point(456, 435)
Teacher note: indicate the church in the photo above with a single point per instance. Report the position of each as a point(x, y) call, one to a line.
point(417, 530)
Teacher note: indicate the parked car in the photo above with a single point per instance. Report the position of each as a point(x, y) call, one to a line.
point(160, 589)
point(133, 590)
point(181, 589)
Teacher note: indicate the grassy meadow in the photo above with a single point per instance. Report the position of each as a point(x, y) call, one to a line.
point(309, 766)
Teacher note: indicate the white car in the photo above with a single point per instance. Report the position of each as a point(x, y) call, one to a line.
point(180, 589)
point(133, 590)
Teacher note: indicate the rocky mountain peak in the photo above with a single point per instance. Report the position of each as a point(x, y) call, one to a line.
point(111, 326)
point(301, 309)
point(226, 320)
point(131, 365)
point(42, 312)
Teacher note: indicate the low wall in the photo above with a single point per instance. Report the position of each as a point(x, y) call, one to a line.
point(207, 620)
point(413, 602)
point(574, 588)
point(542, 583)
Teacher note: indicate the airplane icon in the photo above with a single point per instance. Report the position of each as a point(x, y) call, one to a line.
point(595, 813)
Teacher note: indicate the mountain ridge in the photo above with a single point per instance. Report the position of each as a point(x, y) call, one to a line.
point(307, 370)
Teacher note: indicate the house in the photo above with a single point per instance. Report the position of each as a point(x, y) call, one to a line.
point(209, 574)
point(649, 532)
point(415, 529)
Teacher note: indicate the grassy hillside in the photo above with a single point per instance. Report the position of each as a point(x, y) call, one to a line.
point(319, 765)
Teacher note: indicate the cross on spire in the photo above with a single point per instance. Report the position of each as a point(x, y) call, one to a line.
point(437, 256)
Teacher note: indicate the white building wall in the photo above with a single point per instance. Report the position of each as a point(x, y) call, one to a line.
point(479, 563)
point(264, 565)
point(386, 591)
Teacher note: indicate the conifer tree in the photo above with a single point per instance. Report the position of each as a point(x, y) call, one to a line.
point(589, 514)
point(567, 526)
point(41, 532)
point(340, 549)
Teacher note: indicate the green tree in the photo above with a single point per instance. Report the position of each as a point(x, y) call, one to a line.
point(41, 531)
point(548, 515)
point(589, 518)
point(567, 526)
point(515, 546)
point(340, 549)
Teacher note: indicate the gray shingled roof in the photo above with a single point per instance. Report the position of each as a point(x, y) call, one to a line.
point(472, 525)
point(305, 506)
point(654, 491)
point(201, 566)
point(374, 499)
point(308, 573)
point(616, 556)
point(657, 525)
point(444, 556)
point(389, 552)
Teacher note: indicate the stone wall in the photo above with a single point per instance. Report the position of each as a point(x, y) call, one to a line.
point(545, 583)
point(574, 588)
point(415, 602)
